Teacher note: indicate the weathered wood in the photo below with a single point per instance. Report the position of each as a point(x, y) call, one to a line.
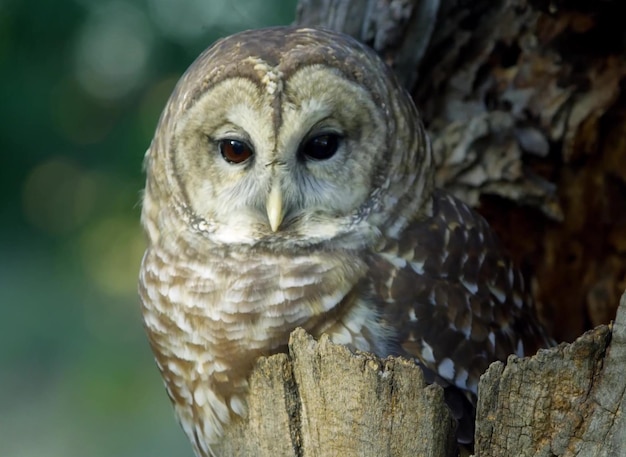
point(322, 400)
point(525, 106)
point(566, 401)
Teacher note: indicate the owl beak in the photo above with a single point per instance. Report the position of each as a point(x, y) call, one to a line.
point(274, 207)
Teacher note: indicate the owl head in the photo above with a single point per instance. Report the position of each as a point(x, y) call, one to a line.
point(286, 135)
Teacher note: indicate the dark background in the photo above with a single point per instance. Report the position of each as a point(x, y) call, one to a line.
point(82, 84)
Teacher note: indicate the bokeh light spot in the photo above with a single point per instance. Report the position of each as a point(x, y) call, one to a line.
point(58, 196)
point(187, 20)
point(111, 251)
point(78, 117)
point(113, 50)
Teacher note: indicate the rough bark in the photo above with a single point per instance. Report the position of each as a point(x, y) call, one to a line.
point(566, 401)
point(525, 105)
point(322, 400)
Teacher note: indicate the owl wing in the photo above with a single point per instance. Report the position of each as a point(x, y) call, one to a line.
point(454, 299)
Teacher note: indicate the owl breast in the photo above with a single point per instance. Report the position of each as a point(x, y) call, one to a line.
point(209, 318)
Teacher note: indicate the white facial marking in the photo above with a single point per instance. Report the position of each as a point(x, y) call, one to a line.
point(270, 76)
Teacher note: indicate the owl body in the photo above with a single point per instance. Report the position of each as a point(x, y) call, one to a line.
point(290, 185)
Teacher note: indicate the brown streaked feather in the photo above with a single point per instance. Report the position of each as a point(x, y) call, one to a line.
point(457, 297)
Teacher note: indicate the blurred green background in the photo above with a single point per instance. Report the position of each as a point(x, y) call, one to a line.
point(82, 84)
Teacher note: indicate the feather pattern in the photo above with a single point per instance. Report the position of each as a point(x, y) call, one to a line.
point(354, 243)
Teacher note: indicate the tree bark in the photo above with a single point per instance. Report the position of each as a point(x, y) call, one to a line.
point(566, 401)
point(322, 400)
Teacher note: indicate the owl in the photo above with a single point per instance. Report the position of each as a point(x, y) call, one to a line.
point(290, 184)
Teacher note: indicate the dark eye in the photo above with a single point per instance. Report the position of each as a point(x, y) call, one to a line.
point(321, 147)
point(235, 151)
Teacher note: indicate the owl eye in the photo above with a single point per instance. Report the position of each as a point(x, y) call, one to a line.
point(321, 147)
point(235, 151)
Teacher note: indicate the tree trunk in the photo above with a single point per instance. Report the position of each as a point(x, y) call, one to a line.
point(565, 401)
point(524, 105)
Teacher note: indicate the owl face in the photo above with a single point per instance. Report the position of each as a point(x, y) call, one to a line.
point(301, 138)
point(298, 162)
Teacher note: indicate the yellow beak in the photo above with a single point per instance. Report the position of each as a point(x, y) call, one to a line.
point(274, 207)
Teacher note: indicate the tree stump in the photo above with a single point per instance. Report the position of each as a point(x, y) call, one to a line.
point(322, 400)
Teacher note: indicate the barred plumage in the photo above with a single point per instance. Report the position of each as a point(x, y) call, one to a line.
point(290, 185)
